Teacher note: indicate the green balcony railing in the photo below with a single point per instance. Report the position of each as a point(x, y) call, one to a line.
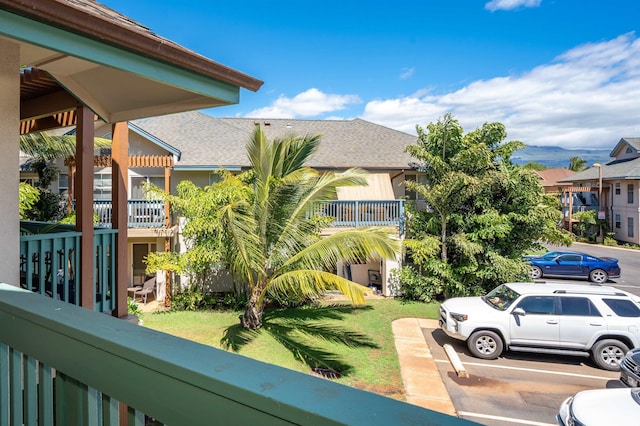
point(61, 364)
point(357, 213)
point(50, 260)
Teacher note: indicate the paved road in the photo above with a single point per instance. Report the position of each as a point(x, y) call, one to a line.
point(629, 261)
point(516, 388)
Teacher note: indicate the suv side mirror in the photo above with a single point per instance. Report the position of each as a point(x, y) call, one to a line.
point(518, 311)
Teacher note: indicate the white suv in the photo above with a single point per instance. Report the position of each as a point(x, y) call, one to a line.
point(567, 319)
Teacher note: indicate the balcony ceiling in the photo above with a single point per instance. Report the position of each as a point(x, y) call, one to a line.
point(83, 53)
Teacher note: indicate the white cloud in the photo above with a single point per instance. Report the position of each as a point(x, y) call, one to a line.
point(309, 103)
point(494, 5)
point(589, 97)
point(406, 73)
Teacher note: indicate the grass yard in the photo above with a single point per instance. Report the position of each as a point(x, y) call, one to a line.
point(355, 342)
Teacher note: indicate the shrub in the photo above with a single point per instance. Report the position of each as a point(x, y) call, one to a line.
point(413, 286)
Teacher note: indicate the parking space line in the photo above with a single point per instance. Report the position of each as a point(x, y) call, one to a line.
point(504, 419)
point(533, 370)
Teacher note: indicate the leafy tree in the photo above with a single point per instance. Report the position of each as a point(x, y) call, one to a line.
point(50, 206)
point(208, 243)
point(532, 165)
point(28, 197)
point(483, 212)
point(577, 164)
point(44, 148)
point(586, 222)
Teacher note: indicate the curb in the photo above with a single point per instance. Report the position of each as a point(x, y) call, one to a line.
point(420, 375)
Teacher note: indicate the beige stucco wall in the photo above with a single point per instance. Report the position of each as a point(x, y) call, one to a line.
point(9, 173)
point(621, 206)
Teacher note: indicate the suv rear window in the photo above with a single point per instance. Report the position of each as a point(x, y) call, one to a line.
point(622, 307)
point(578, 306)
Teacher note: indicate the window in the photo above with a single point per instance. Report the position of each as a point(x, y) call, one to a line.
point(618, 220)
point(629, 150)
point(541, 305)
point(630, 193)
point(630, 226)
point(422, 180)
point(617, 188)
point(623, 307)
point(578, 306)
point(569, 258)
point(63, 182)
point(102, 186)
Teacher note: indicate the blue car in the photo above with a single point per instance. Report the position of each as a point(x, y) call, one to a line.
point(573, 264)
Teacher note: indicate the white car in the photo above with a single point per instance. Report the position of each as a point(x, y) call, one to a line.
point(553, 318)
point(601, 407)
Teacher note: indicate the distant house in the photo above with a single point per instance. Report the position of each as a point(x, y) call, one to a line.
point(193, 146)
point(550, 178)
point(619, 191)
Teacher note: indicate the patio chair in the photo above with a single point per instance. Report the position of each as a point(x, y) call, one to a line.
point(149, 286)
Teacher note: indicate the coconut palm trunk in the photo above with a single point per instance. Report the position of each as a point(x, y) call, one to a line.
point(252, 317)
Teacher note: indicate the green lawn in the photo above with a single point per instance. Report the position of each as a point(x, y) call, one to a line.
point(357, 342)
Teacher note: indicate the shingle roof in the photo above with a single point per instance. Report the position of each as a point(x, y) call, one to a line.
point(625, 142)
point(552, 177)
point(207, 141)
point(628, 168)
point(616, 169)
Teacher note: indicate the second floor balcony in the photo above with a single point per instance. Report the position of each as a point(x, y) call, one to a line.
point(359, 213)
point(140, 213)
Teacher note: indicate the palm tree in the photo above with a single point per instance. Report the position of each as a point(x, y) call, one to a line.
point(577, 164)
point(277, 249)
point(50, 147)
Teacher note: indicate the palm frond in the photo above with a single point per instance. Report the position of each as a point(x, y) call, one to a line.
point(313, 283)
point(351, 246)
point(50, 147)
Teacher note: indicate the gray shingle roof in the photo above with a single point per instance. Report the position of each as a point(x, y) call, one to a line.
point(615, 169)
point(206, 141)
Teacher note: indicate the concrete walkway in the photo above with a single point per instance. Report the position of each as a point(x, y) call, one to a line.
point(420, 375)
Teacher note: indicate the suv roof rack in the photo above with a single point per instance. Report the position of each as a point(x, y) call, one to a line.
point(608, 293)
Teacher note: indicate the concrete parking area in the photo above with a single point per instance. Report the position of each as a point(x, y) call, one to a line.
point(516, 388)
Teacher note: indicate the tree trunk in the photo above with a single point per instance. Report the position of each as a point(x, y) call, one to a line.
point(252, 317)
point(443, 238)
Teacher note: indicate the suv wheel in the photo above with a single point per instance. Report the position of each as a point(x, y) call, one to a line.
point(598, 276)
point(608, 354)
point(536, 272)
point(485, 344)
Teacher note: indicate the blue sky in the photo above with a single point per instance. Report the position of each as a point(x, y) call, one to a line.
point(555, 72)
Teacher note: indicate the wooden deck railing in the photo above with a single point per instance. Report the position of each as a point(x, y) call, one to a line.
point(61, 364)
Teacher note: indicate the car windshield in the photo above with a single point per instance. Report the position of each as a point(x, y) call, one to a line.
point(501, 297)
point(551, 255)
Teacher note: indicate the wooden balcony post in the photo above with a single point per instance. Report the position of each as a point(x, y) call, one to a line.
point(120, 179)
point(84, 203)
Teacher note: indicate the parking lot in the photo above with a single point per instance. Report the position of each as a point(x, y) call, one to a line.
point(522, 388)
point(517, 388)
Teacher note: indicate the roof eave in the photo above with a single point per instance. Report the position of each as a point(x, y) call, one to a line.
point(59, 14)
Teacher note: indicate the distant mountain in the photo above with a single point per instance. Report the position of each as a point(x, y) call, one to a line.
point(553, 156)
